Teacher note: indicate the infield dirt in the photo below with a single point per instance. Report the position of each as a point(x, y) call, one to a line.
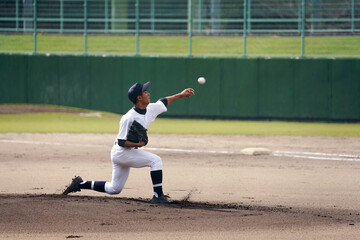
point(217, 192)
point(310, 189)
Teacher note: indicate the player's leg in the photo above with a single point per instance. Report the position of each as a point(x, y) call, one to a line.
point(122, 161)
point(137, 158)
point(119, 177)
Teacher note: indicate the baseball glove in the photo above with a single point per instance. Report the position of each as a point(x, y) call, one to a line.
point(137, 133)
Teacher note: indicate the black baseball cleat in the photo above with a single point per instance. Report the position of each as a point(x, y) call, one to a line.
point(160, 200)
point(73, 186)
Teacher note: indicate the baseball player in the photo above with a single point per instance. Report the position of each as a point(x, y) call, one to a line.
point(126, 154)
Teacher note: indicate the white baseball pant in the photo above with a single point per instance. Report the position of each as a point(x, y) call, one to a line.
point(125, 158)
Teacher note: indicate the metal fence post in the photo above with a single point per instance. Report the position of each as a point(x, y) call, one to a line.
point(137, 13)
point(61, 16)
point(190, 22)
point(35, 26)
point(299, 15)
point(106, 16)
point(244, 27)
point(249, 16)
point(352, 15)
point(152, 13)
point(303, 28)
point(85, 27)
point(17, 15)
point(200, 16)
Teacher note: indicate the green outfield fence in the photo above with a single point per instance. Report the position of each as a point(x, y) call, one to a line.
point(190, 19)
point(236, 88)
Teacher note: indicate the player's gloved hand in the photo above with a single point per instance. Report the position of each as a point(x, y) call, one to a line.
point(137, 133)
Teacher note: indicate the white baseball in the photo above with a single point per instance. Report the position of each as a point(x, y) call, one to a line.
point(201, 80)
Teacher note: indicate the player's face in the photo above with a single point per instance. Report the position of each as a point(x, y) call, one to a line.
point(146, 97)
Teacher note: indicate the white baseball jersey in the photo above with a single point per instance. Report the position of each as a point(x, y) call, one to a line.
point(144, 117)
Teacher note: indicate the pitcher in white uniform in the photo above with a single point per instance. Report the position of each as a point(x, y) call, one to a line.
point(126, 154)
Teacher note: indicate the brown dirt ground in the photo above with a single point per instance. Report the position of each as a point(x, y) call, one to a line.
point(215, 195)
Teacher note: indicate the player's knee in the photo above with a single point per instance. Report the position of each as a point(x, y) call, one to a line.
point(157, 164)
point(112, 190)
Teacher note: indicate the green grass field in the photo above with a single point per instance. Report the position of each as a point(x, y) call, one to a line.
point(109, 123)
point(171, 45)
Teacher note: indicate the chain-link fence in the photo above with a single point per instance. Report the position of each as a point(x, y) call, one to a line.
point(186, 27)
